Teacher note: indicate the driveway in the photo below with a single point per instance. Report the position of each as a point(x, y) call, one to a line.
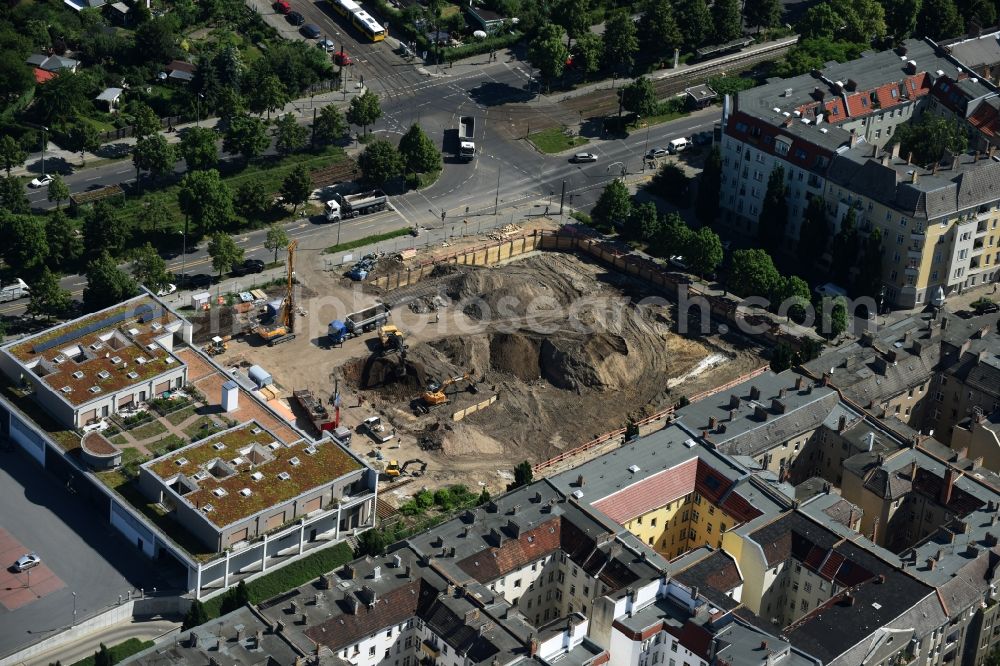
point(80, 553)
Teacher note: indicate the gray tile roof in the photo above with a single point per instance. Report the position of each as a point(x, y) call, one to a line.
point(974, 53)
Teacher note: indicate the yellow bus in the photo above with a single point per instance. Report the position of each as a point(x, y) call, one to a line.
point(345, 7)
point(363, 21)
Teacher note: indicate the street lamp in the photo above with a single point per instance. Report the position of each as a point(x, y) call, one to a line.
point(74, 610)
point(44, 142)
point(197, 102)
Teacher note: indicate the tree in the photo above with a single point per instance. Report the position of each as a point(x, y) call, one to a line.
point(290, 137)
point(64, 98)
point(938, 19)
point(195, 616)
point(523, 475)
point(930, 136)
point(869, 278)
point(621, 40)
point(484, 497)
point(149, 268)
point(370, 543)
point(694, 20)
point(419, 153)
point(863, 20)
point(706, 207)
point(330, 126)
point(103, 657)
point(726, 20)
point(782, 358)
point(364, 110)
point(548, 53)
point(811, 53)
point(224, 251)
point(82, 138)
point(643, 223)
point(15, 78)
point(978, 12)
point(845, 249)
point(58, 190)
point(820, 21)
point(672, 237)
point(276, 239)
point(234, 598)
point(65, 246)
point(155, 41)
point(204, 198)
point(671, 183)
point(573, 16)
point(753, 274)
point(104, 230)
point(145, 122)
point(658, 31)
point(639, 97)
point(252, 199)
point(901, 17)
point(380, 162)
point(11, 154)
point(107, 284)
point(296, 187)
point(588, 53)
point(614, 206)
point(774, 211)
point(155, 215)
point(833, 319)
point(25, 244)
point(246, 136)
point(153, 154)
point(198, 148)
point(762, 13)
point(703, 253)
point(48, 299)
point(12, 197)
point(814, 233)
point(794, 293)
point(267, 95)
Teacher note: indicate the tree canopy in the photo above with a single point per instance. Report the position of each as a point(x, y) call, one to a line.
point(296, 187)
point(930, 136)
point(639, 97)
point(380, 162)
point(107, 284)
point(207, 200)
point(224, 251)
point(614, 206)
point(198, 148)
point(419, 153)
point(621, 40)
point(365, 110)
point(289, 136)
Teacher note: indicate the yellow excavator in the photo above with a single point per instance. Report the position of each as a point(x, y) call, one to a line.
point(217, 345)
point(435, 394)
point(390, 337)
point(283, 328)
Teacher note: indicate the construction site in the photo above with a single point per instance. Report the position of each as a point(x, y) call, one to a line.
point(471, 369)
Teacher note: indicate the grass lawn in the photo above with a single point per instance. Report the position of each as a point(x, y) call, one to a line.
point(151, 429)
point(555, 140)
point(167, 444)
point(119, 652)
point(367, 240)
point(181, 415)
point(656, 120)
point(203, 427)
point(428, 179)
point(118, 440)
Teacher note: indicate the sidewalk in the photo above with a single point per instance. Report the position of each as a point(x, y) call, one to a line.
point(301, 108)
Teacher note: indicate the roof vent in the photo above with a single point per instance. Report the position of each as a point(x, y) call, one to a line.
point(246, 492)
point(256, 431)
point(788, 92)
point(132, 374)
point(237, 460)
point(274, 446)
point(104, 374)
point(180, 462)
point(95, 389)
point(776, 110)
point(578, 494)
point(256, 476)
point(66, 389)
point(311, 450)
point(219, 492)
point(633, 468)
point(78, 374)
point(294, 461)
point(284, 476)
point(133, 331)
point(96, 345)
point(140, 360)
point(218, 446)
point(207, 508)
point(59, 359)
point(690, 443)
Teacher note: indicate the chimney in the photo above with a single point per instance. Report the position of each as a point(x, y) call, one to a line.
point(734, 401)
point(826, 379)
point(947, 486)
point(732, 414)
point(880, 579)
point(849, 599)
point(842, 423)
point(799, 382)
point(193, 639)
point(913, 471)
point(317, 597)
point(909, 157)
point(913, 174)
point(258, 638)
point(407, 571)
point(991, 539)
point(304, 619)
point(533, 646)
point(754, 393)
point(377, 573)
point(760, 413)
point(911, 67)
point(239, 634)
point(353, 604)
point(944, 323)
point(954, 162)
point(763, 645)
point(874, 148)
point(782, 391)
point(854, 139)
point(777, 406)
point(712, 421)
point(212, 661)
point(935, 168)
point(894, 151)
point(931, 563)
point(580, 481)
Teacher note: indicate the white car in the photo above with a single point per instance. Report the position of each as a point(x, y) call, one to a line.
point(167, 290)
point(28, 561)
point(326, 44)
point(42, 181)
point(584, 157)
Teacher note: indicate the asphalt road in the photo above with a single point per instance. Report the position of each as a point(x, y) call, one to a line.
point(81, 548)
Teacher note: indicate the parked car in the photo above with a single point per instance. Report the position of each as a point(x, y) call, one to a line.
point(282, 6)
point(583, 157)
point(295, 18)
point(196, 281)
point(247, 267)
point(41, 181)
point(656, 153)
point(326, 44)
point(167, 290)
point(702, 138)
point(341, 59)
point(310, 31)
point(678, 145)
point(27, 561)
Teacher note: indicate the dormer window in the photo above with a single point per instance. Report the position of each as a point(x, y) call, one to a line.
point(59, 359)
point(151, 346)
point(207, 508)
point(97, 345)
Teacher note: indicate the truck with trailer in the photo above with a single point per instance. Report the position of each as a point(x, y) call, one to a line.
point(343, 206)
point(466, 138)
point(319, 415)
point(357, 323)
point(15, 290)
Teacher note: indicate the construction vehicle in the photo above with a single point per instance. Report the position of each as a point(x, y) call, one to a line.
point(282, 328)
point(376, 429)
point(351, 205)
point(217, 346)
point(390, 338)
point(392, 469)
point(435, 394)
point(466, 138)
point(357, 323)
point(319, 415)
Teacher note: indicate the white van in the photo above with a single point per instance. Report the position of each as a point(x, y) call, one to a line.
point(677, 145)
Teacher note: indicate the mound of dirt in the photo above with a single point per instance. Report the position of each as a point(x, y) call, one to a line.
point(600, 361)
point(387, 374)
point(516, 355)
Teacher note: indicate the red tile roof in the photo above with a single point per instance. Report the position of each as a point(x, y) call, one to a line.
point(650, 493)
point(917, 85)
point(859, 104)
point(831, 565)
point(888, 95)
point(985, 119)
point(41, 76)
point(835, 110)
point(513, 554)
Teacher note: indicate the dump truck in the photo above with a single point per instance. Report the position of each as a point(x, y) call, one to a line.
point(15, 290)
point(351, 205)
point(319, 415)
point(375, 429)
point(466, 138)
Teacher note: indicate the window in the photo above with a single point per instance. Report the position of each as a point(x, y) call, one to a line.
point(371, 651)
point(711, 509)
point(805, 605)
point(653, 522)
point(709, 528)
point(572, 590)
point(517, 583)
point(808, 587)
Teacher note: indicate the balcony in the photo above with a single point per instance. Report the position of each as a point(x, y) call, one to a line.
point(430, 650)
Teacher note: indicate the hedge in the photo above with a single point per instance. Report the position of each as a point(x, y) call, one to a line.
point(119, 652)
point(290, 576)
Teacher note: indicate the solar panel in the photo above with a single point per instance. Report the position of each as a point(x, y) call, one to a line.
point(89, 328)
point(150, 314)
